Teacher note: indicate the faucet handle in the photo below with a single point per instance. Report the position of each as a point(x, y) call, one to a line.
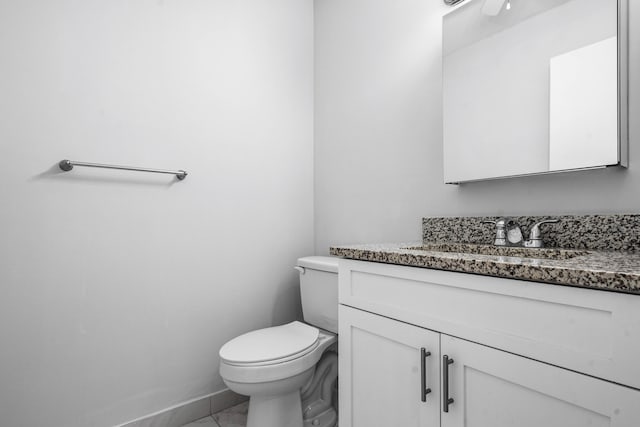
point(501, 236)
point(535, 230)
point(486, 221)
point(535, 236)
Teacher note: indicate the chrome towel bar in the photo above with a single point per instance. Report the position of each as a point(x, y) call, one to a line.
point(67, 165)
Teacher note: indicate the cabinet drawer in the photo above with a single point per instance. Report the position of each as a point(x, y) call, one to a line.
point(594, 332)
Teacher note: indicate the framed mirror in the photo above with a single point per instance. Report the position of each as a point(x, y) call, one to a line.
point(534, 87)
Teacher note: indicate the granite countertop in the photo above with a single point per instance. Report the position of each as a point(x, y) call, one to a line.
point(594, 269)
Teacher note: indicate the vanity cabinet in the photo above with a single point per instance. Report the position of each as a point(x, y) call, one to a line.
point(524, 354)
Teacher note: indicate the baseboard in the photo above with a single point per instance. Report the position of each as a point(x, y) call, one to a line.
point(189, 411)
point(225, 399)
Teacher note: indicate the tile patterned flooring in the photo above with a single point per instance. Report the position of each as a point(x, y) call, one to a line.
point(235, 416)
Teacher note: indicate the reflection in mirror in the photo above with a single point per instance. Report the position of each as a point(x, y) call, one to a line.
point(583, 116)
point(532, 86)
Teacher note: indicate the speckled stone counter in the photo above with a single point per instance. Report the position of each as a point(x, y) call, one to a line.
point(608, 245)
point(612, 271)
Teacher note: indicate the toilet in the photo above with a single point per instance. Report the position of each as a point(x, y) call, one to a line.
point(290, 371)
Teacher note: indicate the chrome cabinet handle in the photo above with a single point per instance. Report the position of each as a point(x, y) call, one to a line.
point(446, 401)
point(424, 390)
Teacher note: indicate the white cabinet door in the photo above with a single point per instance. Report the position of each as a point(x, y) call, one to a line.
point(381, 373)
point(493, 388)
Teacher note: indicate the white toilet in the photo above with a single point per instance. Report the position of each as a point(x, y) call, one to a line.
point(289, 372)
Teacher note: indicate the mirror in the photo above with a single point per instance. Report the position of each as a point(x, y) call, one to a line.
point(533, 87)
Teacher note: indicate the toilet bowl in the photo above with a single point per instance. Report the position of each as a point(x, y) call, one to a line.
point(272, 365)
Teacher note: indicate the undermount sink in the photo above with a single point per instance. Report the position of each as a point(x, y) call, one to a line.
point(520, 252)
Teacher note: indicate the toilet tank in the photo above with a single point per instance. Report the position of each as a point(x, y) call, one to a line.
point(319, 291)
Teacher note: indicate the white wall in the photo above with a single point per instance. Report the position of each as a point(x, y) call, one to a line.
point(377, 118)
point(117, 288)
point(378, 132)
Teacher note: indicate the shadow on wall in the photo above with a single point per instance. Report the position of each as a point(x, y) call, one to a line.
point(288, 296)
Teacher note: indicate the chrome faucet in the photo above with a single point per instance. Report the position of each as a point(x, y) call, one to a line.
point(509, 233)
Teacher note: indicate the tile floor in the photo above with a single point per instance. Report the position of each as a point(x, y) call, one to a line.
point(235, 416)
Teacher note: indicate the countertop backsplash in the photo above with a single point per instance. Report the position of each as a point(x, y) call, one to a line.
point(617, 232)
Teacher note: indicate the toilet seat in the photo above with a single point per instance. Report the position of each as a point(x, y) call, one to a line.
point(270, 346)
point(274, 361)
point(238, 364)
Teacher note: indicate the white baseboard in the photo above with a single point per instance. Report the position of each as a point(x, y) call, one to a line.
point(189, 411)
point(225, 399)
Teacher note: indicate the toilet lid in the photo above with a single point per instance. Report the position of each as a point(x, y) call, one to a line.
point(270, 344)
